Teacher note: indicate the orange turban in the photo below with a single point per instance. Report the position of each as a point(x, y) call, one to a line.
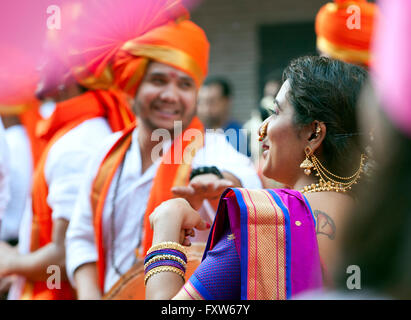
point(180, 44)
point(345, 28)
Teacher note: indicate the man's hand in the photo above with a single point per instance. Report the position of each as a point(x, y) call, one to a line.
point(202, 187)
point(8, 254)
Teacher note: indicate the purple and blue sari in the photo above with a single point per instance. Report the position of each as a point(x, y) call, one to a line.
point(262, 246)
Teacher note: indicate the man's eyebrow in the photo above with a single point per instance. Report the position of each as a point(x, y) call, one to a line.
point(165, 74)
point(186, 78)
point(156, 74)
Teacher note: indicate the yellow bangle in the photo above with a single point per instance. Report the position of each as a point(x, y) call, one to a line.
point(165, 257)
point(163, 269)
point(168, 245)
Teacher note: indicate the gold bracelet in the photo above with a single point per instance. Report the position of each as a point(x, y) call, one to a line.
point(165, 257)
point(168, 245)
point(163, 269)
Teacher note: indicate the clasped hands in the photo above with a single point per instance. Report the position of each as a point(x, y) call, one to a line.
point(202, 187)
point(176, 219)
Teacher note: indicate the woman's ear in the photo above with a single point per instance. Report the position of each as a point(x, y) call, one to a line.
point(315, 134)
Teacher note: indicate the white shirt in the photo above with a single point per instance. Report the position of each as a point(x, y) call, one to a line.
point(21, 170)
point(65, 166)
point(4, 172)
point(131, 202)
point(20, 180)
point(65, 170)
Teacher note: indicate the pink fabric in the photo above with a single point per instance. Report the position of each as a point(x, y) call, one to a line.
point(306, 271)
point(392, 68)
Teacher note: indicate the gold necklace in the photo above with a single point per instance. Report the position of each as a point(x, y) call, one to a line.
point(328, 182)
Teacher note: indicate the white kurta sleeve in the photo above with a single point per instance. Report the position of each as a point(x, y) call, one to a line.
point(80, 244)
point(20, 173)
point(4, 172)
point(65, 167)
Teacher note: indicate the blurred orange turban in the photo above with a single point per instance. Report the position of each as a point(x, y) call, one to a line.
point(96, 41)
point(345, 28)
point(180, 44)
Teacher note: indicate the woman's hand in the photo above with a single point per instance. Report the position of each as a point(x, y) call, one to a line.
point(175, 220)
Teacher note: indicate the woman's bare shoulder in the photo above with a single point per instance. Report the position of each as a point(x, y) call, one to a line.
point(330, 210)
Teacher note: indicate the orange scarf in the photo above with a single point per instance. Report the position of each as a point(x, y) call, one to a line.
point(167, 176)
point(68, 115)
point(29, 119)
point(28, 115)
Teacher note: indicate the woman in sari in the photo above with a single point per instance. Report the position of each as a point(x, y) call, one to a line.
point(274, 244)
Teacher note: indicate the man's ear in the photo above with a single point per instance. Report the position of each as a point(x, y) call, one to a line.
point(315, 133)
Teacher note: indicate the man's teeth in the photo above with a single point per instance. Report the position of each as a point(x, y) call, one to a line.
point(168, 112)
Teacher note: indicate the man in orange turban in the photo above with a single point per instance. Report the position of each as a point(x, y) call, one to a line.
point(81, 119)
point(344, 30)
point(152, 161)
point(165, 45)
point(20, 112)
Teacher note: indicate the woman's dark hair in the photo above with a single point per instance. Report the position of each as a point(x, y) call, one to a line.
point(327, 90)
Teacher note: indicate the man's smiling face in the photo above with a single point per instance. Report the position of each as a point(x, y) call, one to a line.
point(165, 95)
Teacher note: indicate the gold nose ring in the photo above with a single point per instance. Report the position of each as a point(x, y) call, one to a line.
point(263, 132)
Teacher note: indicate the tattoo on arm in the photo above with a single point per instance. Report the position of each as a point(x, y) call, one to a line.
point(325, 225)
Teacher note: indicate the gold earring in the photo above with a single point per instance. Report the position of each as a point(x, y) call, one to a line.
point(307, 165)
point(263, 132)
point(331, 182)
point(317, 131)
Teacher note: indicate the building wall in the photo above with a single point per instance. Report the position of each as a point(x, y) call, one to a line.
point(231, 27)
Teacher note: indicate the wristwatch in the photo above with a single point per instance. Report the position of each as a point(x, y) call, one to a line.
point(205, 170)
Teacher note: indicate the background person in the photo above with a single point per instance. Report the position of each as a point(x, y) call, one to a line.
point(215, 100)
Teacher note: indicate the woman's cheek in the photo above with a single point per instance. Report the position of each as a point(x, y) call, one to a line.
point(268, 163)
